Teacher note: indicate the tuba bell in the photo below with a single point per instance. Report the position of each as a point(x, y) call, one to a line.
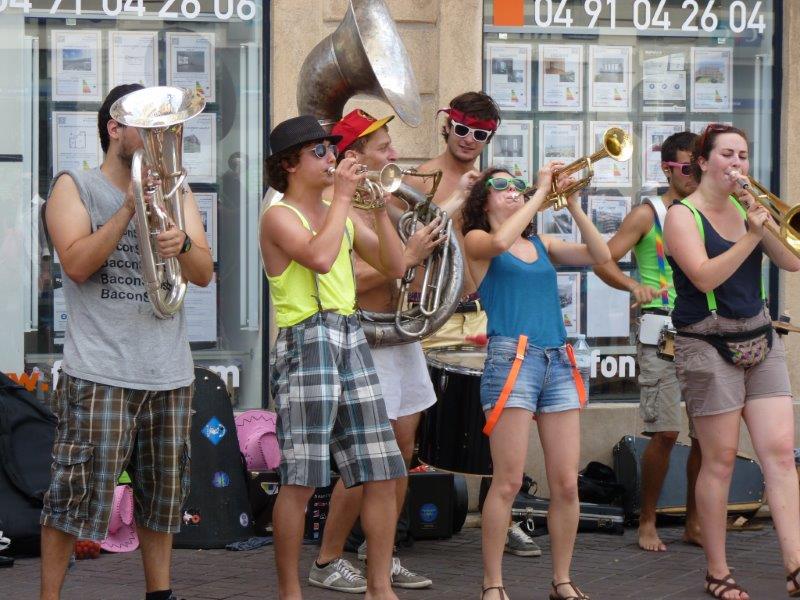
point(158, 114)
point(365, 55)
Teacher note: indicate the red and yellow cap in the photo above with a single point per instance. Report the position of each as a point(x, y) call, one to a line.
point(354, 125)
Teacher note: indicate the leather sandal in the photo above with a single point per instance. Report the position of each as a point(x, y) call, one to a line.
point(576, 595)
point(792, 578)
point(500, 588)
point(722, 586)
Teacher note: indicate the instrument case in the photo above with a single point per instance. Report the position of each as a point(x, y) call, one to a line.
point(747, 485)
point(601, 518)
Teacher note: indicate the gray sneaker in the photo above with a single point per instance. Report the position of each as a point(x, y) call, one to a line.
point(519, 543)
point(403, 578)
point(362, 551)
point(338, 575)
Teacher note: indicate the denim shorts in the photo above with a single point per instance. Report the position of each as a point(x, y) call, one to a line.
point(545, 382)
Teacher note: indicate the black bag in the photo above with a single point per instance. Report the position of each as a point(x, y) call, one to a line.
point(743, 349)
point(27, 431)
point(597, 483)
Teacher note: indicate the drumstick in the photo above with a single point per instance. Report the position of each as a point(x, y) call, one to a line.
point(661, 290)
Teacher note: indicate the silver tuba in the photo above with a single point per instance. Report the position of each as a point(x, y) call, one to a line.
point(365, 55)
point(158, 114)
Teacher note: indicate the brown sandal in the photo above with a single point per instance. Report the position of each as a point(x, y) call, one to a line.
point(792, 578)
point(577, 595)
point(722, 586)
point(502, 590)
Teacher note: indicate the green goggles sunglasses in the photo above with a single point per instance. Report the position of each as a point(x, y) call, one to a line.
point(502, 183)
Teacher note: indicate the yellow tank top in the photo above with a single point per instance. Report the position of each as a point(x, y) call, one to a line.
point(294, 292)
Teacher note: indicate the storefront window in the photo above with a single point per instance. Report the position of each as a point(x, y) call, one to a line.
point(570, 69)
point(74, 53)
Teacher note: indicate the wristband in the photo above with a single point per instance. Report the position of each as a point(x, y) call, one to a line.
point(187, 243)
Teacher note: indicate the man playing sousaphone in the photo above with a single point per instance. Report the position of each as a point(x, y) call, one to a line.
point(471, 120)
point(323, 382)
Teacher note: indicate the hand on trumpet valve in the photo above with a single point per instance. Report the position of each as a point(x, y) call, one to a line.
point(544, 178)
point(346, 178)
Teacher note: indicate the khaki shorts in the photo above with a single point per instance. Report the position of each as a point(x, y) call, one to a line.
point(711, 385)
point(456, 329)
point(659, 392)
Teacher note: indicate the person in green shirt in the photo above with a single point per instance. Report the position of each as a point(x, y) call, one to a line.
point(660, 396)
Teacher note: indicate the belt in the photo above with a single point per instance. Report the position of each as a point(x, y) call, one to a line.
point(468, 307)
point(656, 311)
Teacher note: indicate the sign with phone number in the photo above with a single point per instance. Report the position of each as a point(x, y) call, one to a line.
point(169, 9)
point(697, 15)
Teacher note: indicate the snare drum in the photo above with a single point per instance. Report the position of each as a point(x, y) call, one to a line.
point(451, 436)
point(666, 344)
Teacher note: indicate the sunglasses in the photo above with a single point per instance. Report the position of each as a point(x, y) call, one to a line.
point(320, 150)
point(502, 183)
point(479, 135)
point(686, 168)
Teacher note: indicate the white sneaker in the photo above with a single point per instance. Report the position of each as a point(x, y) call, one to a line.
point(339, 575)
point(403, 578)
point(519, 543)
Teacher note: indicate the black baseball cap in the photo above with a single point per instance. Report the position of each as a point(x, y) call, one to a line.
point(296, 132)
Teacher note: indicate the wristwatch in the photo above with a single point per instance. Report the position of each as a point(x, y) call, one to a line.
point(187, 243)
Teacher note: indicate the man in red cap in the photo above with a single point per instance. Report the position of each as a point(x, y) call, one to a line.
point(402, 371)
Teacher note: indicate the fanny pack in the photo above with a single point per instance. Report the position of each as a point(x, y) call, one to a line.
point(742, 349)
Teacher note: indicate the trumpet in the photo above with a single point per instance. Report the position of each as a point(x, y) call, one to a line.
point(371, 190)
point(787, 217)
point(616, 144)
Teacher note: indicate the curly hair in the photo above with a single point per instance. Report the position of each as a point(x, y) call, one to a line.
point(474, 214)
point(277, 176)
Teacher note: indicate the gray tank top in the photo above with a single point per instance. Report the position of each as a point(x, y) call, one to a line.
point(112, 335)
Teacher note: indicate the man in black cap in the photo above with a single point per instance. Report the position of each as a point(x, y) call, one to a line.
point(322, 378)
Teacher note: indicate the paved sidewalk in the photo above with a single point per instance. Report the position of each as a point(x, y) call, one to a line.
point(606, 566)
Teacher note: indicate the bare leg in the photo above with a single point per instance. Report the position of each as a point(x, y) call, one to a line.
point(509, 446)
point(561, 465)
point(691, 532)
point(379, 519)
point(771, 425)
point(343, 511)
point(719, 437)
point(655, 463)
point(288, 518)
point(405, 430)
point(156, 558)
point(56, 549)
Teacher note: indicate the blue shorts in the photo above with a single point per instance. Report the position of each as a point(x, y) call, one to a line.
point(545, 383)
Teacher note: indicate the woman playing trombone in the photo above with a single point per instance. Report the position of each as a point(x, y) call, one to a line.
point(729, 362)
point(517, 283)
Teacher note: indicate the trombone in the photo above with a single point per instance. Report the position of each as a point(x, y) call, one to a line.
point(616, 144)
point(787, 217)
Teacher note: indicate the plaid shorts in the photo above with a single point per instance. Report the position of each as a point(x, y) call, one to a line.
point(103, 430)
point(329, 402)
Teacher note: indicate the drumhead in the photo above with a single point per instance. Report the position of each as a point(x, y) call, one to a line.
point(467, 360)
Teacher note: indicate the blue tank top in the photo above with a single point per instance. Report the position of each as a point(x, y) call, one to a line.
point(739, 297)
point(522, 298)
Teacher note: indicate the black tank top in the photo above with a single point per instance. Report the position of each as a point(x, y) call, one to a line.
point(738, 297)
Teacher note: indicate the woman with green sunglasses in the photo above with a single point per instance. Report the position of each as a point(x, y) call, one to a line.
point(517, 282)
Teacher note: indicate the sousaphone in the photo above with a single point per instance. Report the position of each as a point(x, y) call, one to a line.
point(365, 55)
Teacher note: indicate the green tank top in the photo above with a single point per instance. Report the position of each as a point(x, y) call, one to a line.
point(299, 292)
point(647, 263)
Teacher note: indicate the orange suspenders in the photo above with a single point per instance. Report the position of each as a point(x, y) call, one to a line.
point(522, 344)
